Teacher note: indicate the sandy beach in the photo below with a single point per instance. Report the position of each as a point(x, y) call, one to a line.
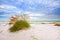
point(36, 32)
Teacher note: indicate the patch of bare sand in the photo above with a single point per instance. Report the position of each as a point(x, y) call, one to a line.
point(36, 32)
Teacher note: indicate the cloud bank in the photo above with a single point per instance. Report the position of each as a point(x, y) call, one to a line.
point(44, 9)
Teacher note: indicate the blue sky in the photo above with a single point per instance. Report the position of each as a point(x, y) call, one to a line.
point(42, 9)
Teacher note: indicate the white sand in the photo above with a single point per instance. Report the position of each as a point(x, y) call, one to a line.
point(36, 32)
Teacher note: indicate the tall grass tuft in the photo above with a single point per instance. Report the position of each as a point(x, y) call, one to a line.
point(19, 25)
point(57, 24)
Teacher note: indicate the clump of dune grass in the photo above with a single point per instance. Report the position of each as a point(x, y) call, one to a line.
point(19, 25)
point(56, 24)
point(42, 23)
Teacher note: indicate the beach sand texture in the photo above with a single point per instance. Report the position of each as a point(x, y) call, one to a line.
point(36, 32)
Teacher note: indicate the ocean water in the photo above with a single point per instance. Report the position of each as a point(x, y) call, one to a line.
point(36, 21)
point(44, 20)
point(1, 22)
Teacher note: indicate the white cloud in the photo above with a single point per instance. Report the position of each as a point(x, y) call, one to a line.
point(34, 18)
point(53, 4)
point(33, 4)
point(45, 2)
point(37, 14)
point(6, 15)
point(7, 6)
point(46, 17)
point(34, 14)
point(9, 9)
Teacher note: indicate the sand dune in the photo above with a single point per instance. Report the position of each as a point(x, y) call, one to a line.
point(36, 32)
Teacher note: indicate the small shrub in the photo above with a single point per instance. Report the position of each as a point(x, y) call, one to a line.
point(57, 24)
point(42, 23)
point(19, 25)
